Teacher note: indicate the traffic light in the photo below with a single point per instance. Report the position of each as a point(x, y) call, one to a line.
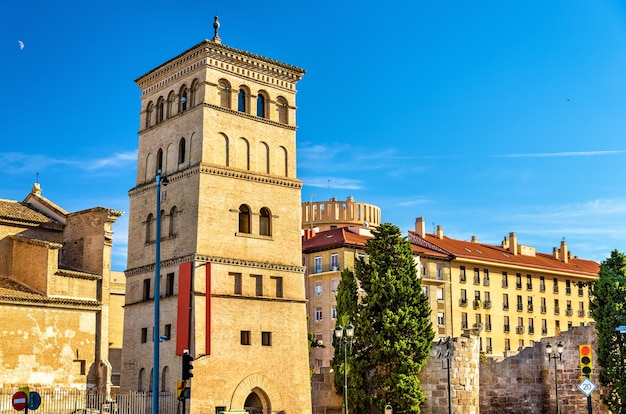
point(586, 361)
point(187, 367)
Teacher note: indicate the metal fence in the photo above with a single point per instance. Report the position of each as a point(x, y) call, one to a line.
point(73, 401)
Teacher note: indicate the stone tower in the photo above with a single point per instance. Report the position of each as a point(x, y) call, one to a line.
point(220, 125)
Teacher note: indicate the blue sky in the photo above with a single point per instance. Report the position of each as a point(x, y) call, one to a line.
point(485, 117)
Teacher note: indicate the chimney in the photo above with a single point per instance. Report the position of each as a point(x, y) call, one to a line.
point(439, 231)
point(420, 226)
point(474, 239)
point(513, 243)
point(563, 251)
point(308, 234)
point(505, 242)
point(555, 253)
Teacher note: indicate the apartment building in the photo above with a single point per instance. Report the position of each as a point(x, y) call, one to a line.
point(509, 295)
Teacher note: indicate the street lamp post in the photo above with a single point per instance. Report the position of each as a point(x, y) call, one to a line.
point(559, 348)
point(345, 339)
point(157, 296)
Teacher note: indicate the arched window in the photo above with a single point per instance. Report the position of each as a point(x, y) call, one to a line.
point(285, 160)
point(159, 161)
point(170, 104)
point(160, 107)
point(265, 156)
point(181, 151)
point(149, 112)
point(173, 220)
point(224, 92)
point(244, 219)
point(149, 221)
point(242, 101)
point(265, 222)
point(193, 93)
point(184, 99)
point(141, 380)
point(260, 106)
point(283, 110)
point(165, 378)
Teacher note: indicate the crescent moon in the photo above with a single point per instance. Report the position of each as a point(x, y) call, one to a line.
point(19, 42)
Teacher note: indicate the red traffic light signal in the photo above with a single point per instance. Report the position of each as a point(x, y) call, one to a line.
point(586, 360)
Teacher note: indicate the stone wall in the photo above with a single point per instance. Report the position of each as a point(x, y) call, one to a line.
point(525, 383)
point(463, 356)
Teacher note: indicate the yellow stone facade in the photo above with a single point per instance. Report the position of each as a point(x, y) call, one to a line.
point(220, 125)
point(509, 295)
point(55, 296)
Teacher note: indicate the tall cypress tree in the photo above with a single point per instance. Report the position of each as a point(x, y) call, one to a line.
point(608, 310)
point(393, 334)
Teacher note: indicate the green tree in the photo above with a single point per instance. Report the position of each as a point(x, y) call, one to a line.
point(393, 334)
point(607, 309)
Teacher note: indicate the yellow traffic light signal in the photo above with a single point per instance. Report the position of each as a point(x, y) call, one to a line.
point(586, 361)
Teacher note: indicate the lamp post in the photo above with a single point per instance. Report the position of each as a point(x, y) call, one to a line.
point(157, 296)
point(345, 339)
point(559, 348)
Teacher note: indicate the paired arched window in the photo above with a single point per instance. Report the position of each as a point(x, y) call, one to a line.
point(181, 151)
point(149, 111)
point(224, 92)
point(159, 161)
point(170, 104)
point(261, 103)
point(173, 221)
point(149, 221)
point(283, 110)
point(160, 107)
point(244, 219)
point(242, 100)
point(183, 102)
point(265, 222)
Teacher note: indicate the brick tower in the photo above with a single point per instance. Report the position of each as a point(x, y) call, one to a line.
point(220, 125)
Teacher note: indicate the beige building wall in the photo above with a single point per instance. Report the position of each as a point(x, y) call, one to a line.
point(54, 294)
point(231, 210)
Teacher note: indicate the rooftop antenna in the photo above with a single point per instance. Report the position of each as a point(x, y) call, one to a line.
point(329, 189)
point(37, 178)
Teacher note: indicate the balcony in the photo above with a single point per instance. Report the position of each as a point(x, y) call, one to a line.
point(569, 312)
point(518, 285)
point(505, 306)
point(568, 291)
point(506, 328)
point(488, 350)
point(477, 280)
point(544, 331)
point(486, 281)
point(555, 289)
point(520, 307)
point(531, 329)
point(477, 326)
point(557, 311)
point(325, 268)
point(462, 302)
point(477, 304)
point(520, 330)
point(462, 279)
point(529, 286)
point(530, 308)
point(488, 327)
point(542, 288)
point(505, 284)
point(581, 312)
point(544, 309)
point(463, 325)
point(487, 304)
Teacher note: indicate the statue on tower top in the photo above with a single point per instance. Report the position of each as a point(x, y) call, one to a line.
point(216, 26)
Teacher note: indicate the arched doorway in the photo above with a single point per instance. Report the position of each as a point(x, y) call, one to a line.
point(253, 404)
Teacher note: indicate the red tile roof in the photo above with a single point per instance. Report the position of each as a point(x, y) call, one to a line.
point(500, 255)
point(329, 239)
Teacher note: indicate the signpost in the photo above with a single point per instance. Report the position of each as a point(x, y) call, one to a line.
point(587, 387)
point(19, 400)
